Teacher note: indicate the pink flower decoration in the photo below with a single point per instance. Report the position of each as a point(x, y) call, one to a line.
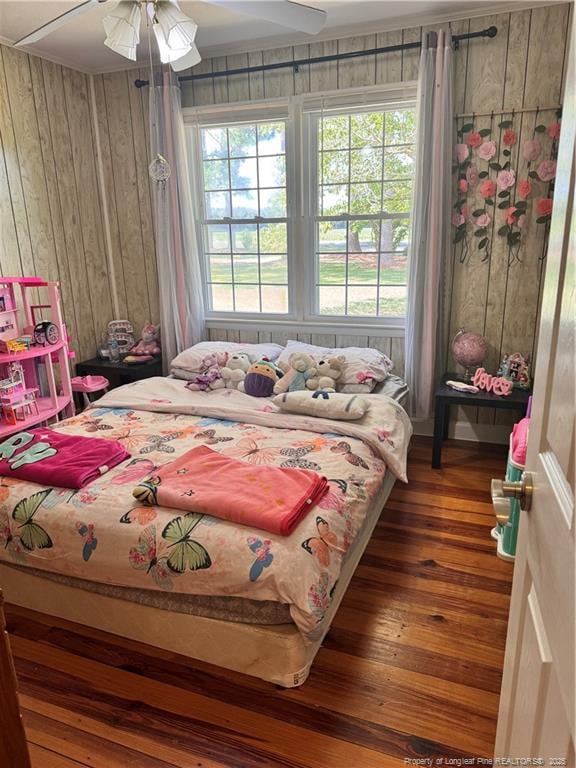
point(457, 219)
point(483, 220)
point(531, 150)
point(522, 220)
point(524, 189)
point(510, 215)
point(472, 176)
point(544, 206)
point(473, 139)
point(487, 150)
point(554, 131)
point(510, 138)
point(461, 152)
point(464, 211)
point(488, 188)
point(463, 185)
point(546, 170)
point(505, 179)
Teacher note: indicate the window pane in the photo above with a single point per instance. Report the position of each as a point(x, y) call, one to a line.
point(216, 174)
point(275, 299)
point(363, 235)
point(367, 129)
point(244, 238)
point(398, 163)
point(332, 300)
point(217, 238)
point(366, 198)
point(271, 138)
point(334, 199)
point(363, 268)
point(247, 298)
point(273, 238)
point(362, 301)
point(217, 205)
point(246, 269)
point(272, 171)
point(366, 164)
point(243, 173)
point(334, 132)
point(274, 268)
point(332, 268)
point(242, 140)
point(395, 234)
point(393, 301)
point(331, 236)
point(401, 127)
point(214, 143)
point(397, 196)
point(245, 204)
point(394, 268)
point(220, 267)
point(333, 167)
point(222, 300)
point(273, 203)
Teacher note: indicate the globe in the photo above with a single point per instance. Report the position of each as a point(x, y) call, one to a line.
point(469, 350)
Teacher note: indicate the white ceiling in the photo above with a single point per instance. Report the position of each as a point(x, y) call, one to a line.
point(220, 31)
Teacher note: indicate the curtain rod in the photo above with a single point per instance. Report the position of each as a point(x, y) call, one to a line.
point(511, 111)
point(295, 64)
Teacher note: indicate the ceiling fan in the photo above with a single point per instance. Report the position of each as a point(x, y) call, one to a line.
point(174, 31)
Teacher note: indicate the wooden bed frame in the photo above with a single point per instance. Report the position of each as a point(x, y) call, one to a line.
point(276, 653)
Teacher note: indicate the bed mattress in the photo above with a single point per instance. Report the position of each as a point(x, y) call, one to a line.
point(102, 541)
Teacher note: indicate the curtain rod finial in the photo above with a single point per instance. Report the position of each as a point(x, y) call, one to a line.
point(141, 83)
point(492, 31)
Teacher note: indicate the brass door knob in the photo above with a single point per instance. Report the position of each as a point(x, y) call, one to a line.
point(518, 489)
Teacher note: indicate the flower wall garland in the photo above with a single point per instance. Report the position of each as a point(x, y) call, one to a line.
point(479, 174)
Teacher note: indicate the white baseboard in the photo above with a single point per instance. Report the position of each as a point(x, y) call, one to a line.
point(465, 430)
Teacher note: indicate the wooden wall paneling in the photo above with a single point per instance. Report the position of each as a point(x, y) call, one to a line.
point(203, 90)
point(302, 74)
point(249, 337)
point(327, 340)
point(281, 337)
point(349, 340)
point(233, 335)
point(381, 343)
point(487, 65)
point(278, 82)
point(110, 192)
point(411, 57)
point(238, 85)
point(324, 76)
point(219, 63)
point(9, 250)
point(61, 268)
point(80, 124)
point(59, 122)
point(460, 58)
point(389, 65)
point(306, 338)
point(12, 164)
point(116, 88)
point(515, 76)
point(361, 71)
point(256, 79)
point(217, 334)
point(397, 355)
point(140, 137)
point(264, 337)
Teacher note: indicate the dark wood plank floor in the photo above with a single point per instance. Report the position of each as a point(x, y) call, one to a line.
point(410, 668)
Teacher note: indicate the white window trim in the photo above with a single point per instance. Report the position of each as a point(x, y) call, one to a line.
point(296, 111)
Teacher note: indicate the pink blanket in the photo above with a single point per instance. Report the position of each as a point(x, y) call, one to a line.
point(202, 480)
point(53, 458)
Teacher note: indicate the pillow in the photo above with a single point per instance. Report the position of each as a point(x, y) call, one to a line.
point(364, 367)
point(328, 405)
point(191, 359)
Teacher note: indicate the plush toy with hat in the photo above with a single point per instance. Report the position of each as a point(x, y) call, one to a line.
point(235, 370)
point(299, 369)
point(260, 379)
point(329, 371)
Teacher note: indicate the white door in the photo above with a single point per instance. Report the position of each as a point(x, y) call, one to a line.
point(537, 715)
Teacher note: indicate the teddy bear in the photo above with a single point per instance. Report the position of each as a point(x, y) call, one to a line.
point(329, 371)
point(235, 370)
point(299, 369)
point(147, 348)
point(209, 376)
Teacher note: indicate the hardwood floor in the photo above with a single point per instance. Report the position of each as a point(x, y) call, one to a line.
point(410, 669)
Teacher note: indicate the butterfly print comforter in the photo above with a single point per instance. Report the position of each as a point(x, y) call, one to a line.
point(103, 534)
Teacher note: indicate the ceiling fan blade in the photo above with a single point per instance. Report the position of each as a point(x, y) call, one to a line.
point(59, 21)
point(283, 12)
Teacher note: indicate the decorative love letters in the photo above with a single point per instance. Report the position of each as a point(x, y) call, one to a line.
point(496, 384)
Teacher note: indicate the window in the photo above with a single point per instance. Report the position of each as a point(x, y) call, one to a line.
point(365, 165)
point(245, 225)
point(304, 212)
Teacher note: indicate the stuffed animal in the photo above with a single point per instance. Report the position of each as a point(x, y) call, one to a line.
point(210, 374)
point(235, 370)
point(297, 372)
point(147, 348)
point(260, 379)
point(329, 371)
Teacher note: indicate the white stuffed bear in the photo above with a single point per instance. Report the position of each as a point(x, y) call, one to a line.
point(235, 369)
point(297, 372)
point(329, 371)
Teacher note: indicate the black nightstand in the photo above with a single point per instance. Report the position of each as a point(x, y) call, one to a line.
point(445, 397)
point(119, 373)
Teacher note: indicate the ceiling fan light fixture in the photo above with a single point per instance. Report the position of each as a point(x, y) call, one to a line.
point(178, 29)
point(189, 59)
point(122, 28)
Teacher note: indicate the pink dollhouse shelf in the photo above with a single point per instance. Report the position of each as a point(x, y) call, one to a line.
point(36, 351)
point(46, 411)
point(27, 281)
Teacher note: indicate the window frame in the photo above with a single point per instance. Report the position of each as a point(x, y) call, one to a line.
point(301, 197)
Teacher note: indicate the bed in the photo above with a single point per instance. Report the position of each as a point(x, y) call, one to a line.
point(264, 603)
